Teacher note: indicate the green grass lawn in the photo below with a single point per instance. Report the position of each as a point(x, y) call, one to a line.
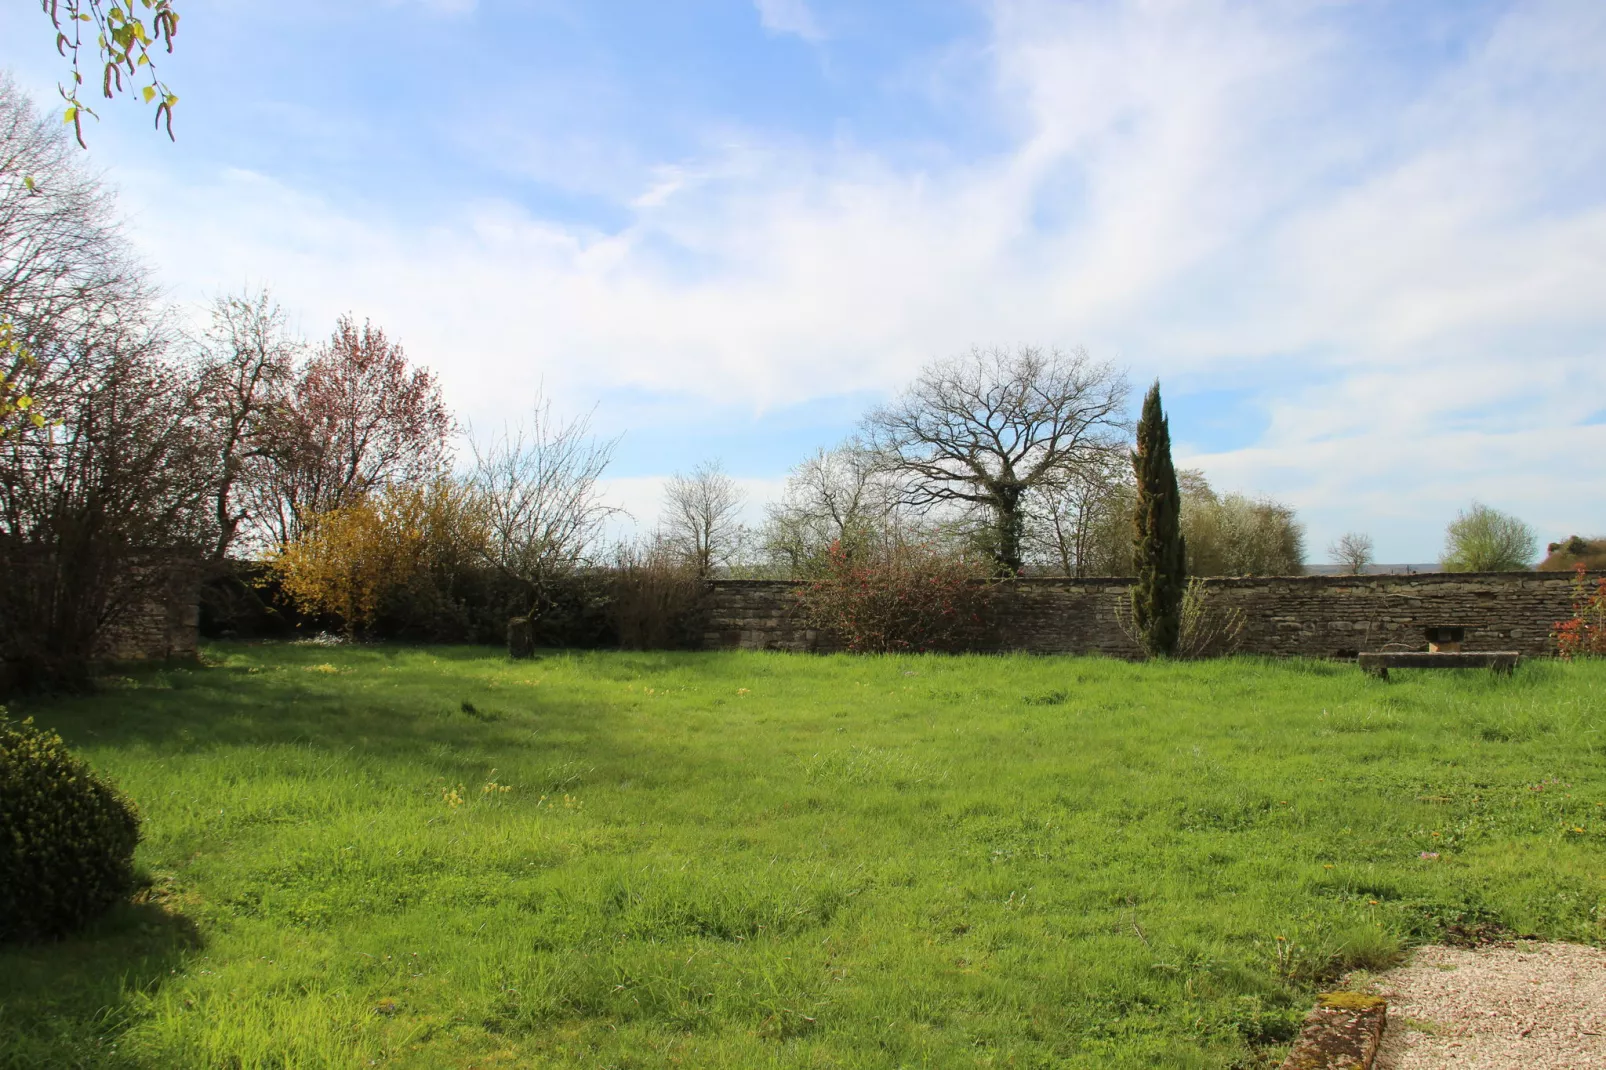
point(410, 857)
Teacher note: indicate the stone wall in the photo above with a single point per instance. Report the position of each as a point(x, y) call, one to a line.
point(163, 616)
point(150, 611)
point(1290, 616)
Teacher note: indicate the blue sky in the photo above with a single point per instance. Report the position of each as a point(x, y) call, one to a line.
point(1362, 243)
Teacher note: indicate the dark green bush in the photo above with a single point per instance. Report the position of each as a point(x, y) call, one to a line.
point(66, 837)
point(469, 605)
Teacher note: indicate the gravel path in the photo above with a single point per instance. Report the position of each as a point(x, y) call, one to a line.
point(1515, 1006)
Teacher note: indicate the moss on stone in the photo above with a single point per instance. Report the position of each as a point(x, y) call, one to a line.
point(1350, 1001)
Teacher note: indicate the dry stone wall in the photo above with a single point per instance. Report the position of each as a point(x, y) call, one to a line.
point(162, 619)
point(150, 609)
point(1288, 616)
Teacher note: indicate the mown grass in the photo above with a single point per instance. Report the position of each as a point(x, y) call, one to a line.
point(754, 860)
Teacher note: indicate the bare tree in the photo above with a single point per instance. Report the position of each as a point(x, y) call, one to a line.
point(841, 496)
point(987, 428)
point(701, 516)
point(66, 272)
point(1226, 535)
point(92, 504)
point(1353, 552)
point(120, 472)
point(359, 417)
point(538, 497)
point(245, 360)
point(1079, 517)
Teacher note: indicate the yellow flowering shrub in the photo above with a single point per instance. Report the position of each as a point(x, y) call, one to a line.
point(349, 558)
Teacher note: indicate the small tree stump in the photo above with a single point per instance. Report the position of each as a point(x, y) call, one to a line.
point(521, 637)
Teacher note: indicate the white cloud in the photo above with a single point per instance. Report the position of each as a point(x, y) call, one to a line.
point(1200, 190)
point(789, 16)
point(641, 499)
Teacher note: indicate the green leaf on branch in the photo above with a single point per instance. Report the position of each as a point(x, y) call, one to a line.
point(121, 41)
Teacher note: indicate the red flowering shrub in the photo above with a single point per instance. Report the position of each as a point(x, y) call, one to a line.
point(909, 597)
point(1585, 634)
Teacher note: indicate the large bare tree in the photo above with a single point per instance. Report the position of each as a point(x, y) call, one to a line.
point(66, 271)
point(120, 470)
point(1080, 522)
point(702, 517)
point(986, 428)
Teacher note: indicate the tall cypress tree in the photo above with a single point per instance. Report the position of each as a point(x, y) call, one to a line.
point(1158, 550)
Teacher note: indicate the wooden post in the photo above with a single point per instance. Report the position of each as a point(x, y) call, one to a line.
point(520, 637)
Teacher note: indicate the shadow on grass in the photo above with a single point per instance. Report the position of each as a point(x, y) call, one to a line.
point(66, 1003)
point(385, 702)
point(403, 712)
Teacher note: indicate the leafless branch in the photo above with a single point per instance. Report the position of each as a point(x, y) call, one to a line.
point(701, 519)
point(538, 487)
point(988, 427)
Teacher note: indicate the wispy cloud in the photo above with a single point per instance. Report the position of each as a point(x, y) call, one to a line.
point(789, 16)
point(1400, 262)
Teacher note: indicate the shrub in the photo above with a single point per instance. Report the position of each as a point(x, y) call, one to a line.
point(1585, 634)
point(397, 544)
point(911, 597)
point(66, 837)
point(1207, 630)
point(1204, 631)
point(1574, 551)
point(1234, 535)
point(654, 597)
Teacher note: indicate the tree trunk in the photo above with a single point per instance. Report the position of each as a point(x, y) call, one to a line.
point(1008, 524)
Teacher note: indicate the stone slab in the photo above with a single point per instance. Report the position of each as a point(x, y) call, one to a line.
point(1342, 1032)
point(1379, 664)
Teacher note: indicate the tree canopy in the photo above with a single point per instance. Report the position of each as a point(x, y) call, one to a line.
point(1482, 539)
